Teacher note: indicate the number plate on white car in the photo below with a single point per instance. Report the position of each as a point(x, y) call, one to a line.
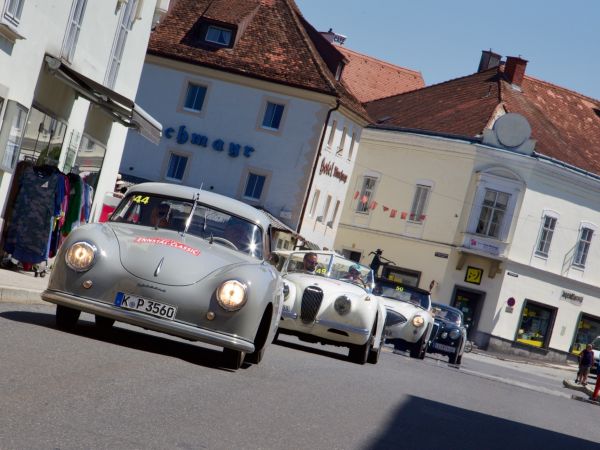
point(444, 348)
point(151, 307)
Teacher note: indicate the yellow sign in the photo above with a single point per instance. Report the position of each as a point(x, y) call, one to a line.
point(473, 275)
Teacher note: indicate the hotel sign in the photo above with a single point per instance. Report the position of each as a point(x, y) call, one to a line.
point(329, 168)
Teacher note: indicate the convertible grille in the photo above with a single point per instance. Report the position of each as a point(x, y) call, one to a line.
point(434, 331)
point(311, 302)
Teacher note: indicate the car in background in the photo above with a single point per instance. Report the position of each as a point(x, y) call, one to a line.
point(450, 334)
point(409, 320)
point(177, 260)
point(332, 303)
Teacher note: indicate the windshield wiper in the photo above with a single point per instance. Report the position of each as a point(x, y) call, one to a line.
point(189, 219)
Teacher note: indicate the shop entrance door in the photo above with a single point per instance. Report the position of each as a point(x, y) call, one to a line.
point(469, 302)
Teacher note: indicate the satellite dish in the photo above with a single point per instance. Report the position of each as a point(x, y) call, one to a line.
point(512, 130)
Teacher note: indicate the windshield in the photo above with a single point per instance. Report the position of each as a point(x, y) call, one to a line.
point(448, 314)
point(331, 266)
point(151, 210)
point(403, 293)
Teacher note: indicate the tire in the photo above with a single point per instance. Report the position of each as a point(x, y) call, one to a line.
point(232, 359)
point(66, 318)
point(373, 357)
point(455, 358)
point(260, 341)
point(104, 323)
point(418, 349)
point(256, 357)
point(360, 353)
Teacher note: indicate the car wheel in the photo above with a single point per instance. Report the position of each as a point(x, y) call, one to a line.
point(455, 359)
point(66, 318)
point(104, 323)
point(417, 350)
point(256, 357)
point(232, 359)
point(359, 353)
point(373, 357)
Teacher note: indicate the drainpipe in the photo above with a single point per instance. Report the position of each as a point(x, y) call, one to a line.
point(314, 169)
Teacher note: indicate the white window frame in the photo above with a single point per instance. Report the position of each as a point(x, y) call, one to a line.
point(335, 211)
point(219, 29)
point(73, 29)
point(315, 201)
point(546, 234)
point(340, 151)
point(331, 134)
point(252, 170)
point(168, 163)
point(13, 10)
point(352, 142)
point(128, 16)
point(420, 201)
point(365, 208)
point(323, 217)
point(580, 259)
point(262, 189)
point(188, 85)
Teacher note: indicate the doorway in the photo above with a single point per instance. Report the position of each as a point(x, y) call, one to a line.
point(470, 302)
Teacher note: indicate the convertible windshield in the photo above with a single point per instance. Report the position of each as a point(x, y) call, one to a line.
point(403, 293)
point(448, 314)
point(331, 266)
point(151, 210)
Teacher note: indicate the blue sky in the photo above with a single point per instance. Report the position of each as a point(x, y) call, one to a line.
point(443, 39)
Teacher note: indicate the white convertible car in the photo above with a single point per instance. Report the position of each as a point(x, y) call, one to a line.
point(409, 318)
point(328, 299)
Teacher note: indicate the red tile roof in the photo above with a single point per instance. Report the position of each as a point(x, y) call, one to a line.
point(273, 44)
point(565, 124)
point(369, 78)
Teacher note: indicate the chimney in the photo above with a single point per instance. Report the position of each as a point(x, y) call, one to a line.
point(488, 60)
point(514, 70)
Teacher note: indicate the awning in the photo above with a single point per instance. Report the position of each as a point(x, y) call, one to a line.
point(122, 109)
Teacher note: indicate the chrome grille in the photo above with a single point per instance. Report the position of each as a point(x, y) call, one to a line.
point(311, 302)
point(434, 331)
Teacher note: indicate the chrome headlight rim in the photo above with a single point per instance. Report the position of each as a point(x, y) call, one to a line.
point(418, 321)
point(220, 292)
point(454, 334)
point(69, 255)
point(342, 305)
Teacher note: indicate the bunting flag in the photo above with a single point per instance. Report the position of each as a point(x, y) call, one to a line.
point(403, 215)
point(385, 208)
point(373, 205)
point(393, 213)
point(356, 194)
point(364, 199)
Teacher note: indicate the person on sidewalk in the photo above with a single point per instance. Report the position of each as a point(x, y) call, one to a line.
point(586, 360)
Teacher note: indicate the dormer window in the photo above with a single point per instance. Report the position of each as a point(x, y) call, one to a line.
point(218, 35)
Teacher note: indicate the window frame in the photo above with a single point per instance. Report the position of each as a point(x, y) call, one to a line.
point(211, 27)
point(262, 188)
point(551, 322)
point(190, 84)
point(13, 112)
point(126, 21)
point(579, 262)
point(314, 203)
point(263, 111)
point(421, 186)
point(323, 217)
point(332, 131)
point(367, 207)
point(543, 234)
point(340, 149)
point(334, 214)
point(241, 191)
point(73, 29)
point(352, 143)
point(180, 154)
point(13, 16)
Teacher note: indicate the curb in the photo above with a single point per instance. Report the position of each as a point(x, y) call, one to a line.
point(22, 296)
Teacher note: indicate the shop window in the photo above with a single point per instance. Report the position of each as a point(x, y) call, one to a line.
point(417, 210)
point(73, 29)
point(401, 275)
point(366, 194)
point(89, 160)
point(254, 186)
point(583, 247)
point(218, 35)
point(125, 24)
point(332, 134)
point(546, 234)
point(273, 114)
point(194, 98)
point(588, 329)
point(43, 138)
point(315, 201)
point(176, 167)
point(11, 133)
point(536, 324)
point(13, 10)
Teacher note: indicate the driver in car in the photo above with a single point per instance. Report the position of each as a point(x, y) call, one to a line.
point(159, 217)
point(353, 274)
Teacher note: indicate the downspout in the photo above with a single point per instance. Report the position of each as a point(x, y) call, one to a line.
point(314, 169)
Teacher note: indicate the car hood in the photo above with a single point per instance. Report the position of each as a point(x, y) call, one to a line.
point(167, 257)
point(406, 309)
point(302, 280)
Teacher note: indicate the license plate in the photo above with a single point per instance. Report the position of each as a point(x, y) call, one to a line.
point(444, 348)
point(145, 305)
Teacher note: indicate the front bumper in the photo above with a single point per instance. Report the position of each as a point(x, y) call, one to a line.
point(328, 330)
point(150, 322)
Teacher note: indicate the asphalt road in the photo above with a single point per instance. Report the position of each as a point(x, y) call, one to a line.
point(133, 389)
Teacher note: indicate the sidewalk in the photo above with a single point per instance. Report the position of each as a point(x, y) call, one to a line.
point(21, 287)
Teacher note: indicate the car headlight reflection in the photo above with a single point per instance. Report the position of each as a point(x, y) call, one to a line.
point(455, 334)
point(80, 256)
point(418, 321)
point(342, 305)
point(231, 295)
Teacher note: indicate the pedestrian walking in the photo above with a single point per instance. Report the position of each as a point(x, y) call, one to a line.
point(586, 360)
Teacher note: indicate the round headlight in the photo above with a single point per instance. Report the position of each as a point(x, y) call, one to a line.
point(418, 321)
point(342, 305)
point(444, 335)
point(80, 256)
point(286, 291)
point(455, 334)
point(231, 295)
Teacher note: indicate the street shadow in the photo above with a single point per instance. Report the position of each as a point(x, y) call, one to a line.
point(138, 340)
point(305, 347)
point(426, 424)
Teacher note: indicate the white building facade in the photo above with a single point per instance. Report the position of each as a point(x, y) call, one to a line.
point(68, 72)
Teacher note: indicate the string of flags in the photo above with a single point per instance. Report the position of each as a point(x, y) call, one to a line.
point(393, 212)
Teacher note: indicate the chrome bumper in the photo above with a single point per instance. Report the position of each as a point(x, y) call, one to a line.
point(145, 321)
point(285, 315)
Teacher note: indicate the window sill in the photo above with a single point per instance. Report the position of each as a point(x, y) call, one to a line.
point(174, 180)
point(578, 267)
point(541, 256)
point(9, 31)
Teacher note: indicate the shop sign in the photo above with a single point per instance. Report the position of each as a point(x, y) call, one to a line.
point(473, 275)
point(329, 168)
point(441, 255)
point(484, 246)
point(512, 274)
point(183, 136)
point(572, 297)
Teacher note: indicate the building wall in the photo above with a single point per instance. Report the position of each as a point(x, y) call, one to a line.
point(232, 112)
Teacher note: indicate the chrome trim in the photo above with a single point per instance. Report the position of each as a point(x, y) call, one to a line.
point(150, 322)
point(157, 271)
point(343, 327)
point(289, 315)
